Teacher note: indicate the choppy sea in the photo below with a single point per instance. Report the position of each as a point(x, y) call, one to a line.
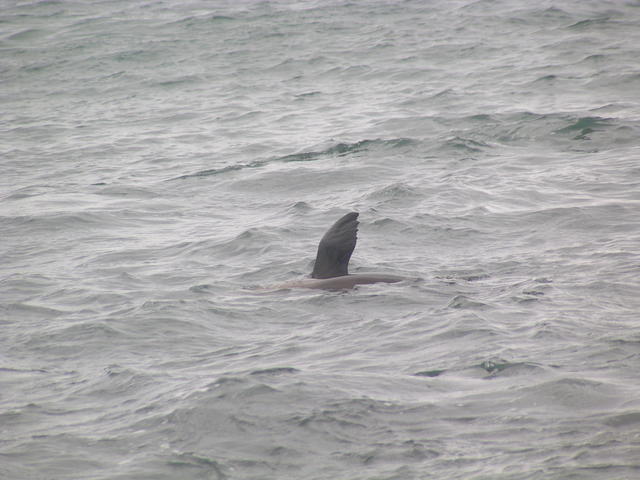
point(163, 161)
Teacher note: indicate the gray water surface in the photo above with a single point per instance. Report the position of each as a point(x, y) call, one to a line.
point(163, 162)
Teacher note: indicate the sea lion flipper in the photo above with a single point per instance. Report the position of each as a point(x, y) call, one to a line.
point(336, 247)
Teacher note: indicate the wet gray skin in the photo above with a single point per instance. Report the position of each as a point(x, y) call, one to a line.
point(331, 268)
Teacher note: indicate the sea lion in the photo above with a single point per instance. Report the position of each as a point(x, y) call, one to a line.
point(331, 268)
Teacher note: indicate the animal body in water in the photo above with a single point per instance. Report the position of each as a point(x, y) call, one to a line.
point(331, 269)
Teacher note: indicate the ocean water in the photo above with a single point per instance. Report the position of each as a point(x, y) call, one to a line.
point(162, 161)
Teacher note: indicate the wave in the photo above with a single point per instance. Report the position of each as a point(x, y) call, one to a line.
point(337, 150)
point(518, 127)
